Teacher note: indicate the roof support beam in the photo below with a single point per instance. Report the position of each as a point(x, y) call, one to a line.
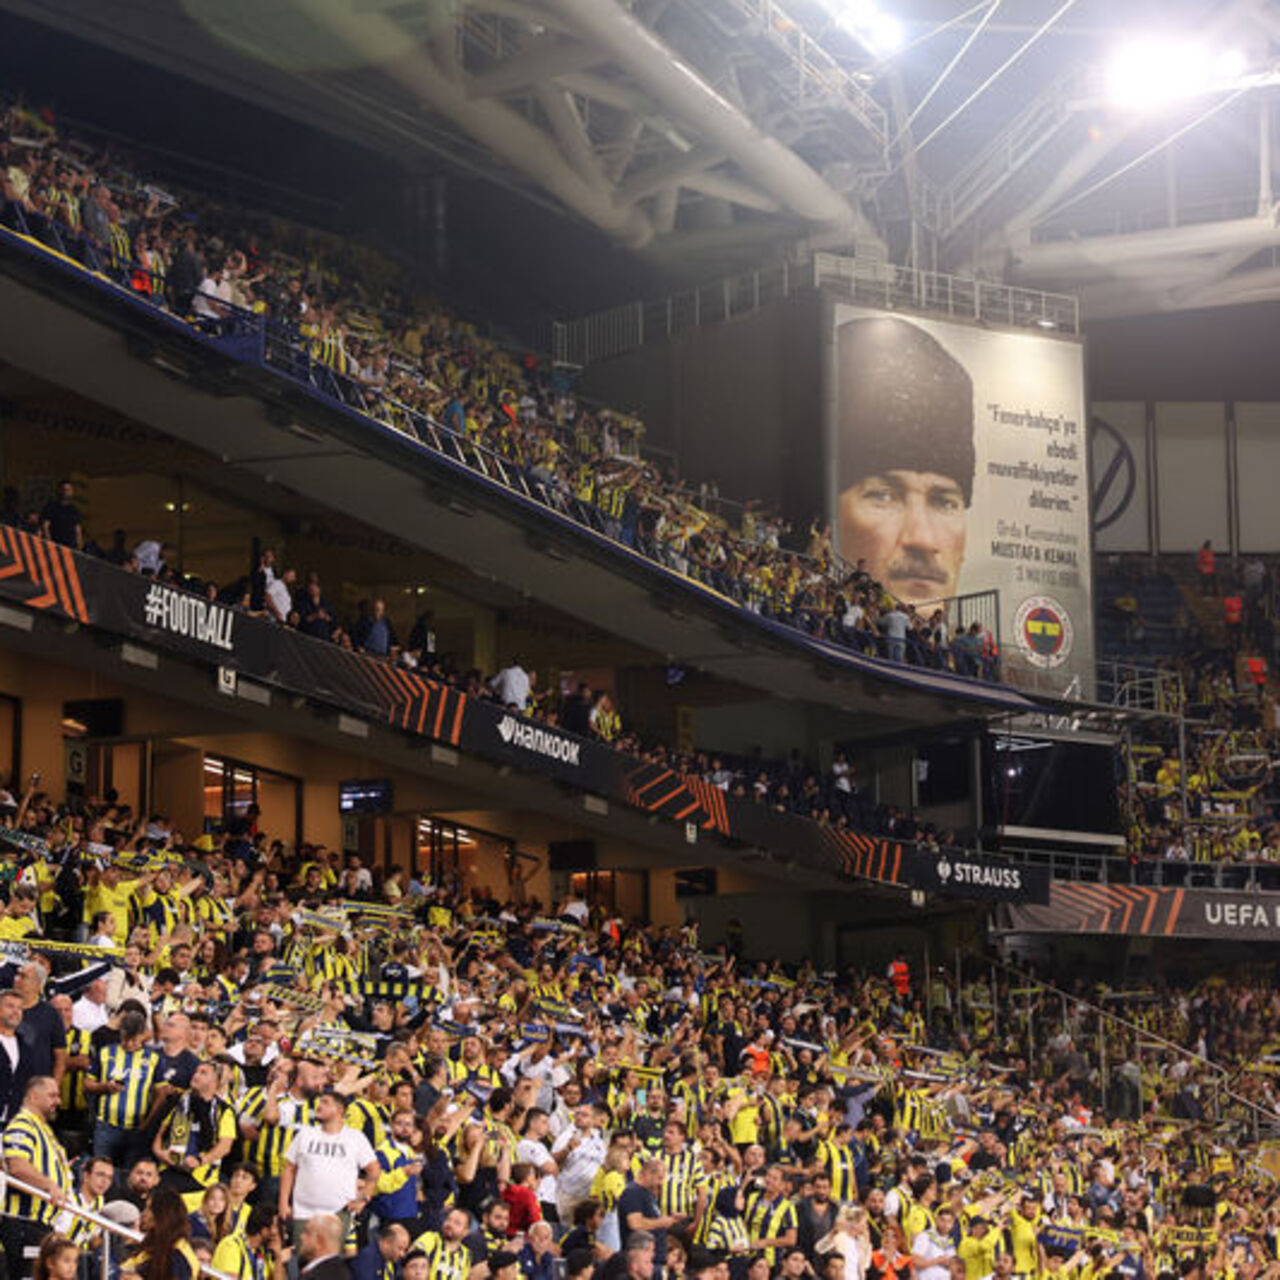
point(530, 15)
point(763, 159)
point(618, 157)
point(668, 173)
point(566, 123)
point(1107, 255)
point(544, 59)
point(723, 187)
point(622, 97)
point(517, 141)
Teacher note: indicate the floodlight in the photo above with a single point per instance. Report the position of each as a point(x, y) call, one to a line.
point(1154, 71)
point(884, 34)
point(857, 12)
point(1231, 65)
point(880, 33)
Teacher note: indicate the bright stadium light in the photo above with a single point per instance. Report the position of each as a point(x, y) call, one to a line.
point(1156, 71)
point(884, 34)
point(881, 33)
point(1230, 65)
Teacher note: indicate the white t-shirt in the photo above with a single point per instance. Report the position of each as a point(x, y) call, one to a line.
point(535, 1153)
point(212, 293)
point(895, 624)
point(578, 1167)
point(928, 1245)
point(329, 1166)
point(88, 1016)
point(277, 592)
point(511, 685)
point(147, 554)
point(578, 909)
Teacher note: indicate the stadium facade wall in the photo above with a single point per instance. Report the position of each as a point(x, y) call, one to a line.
point(738, 402)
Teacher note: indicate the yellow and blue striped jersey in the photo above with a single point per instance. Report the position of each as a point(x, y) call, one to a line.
point(135, 1069)
point(30, 1138)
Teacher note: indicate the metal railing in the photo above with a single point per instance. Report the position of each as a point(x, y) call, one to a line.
point(1134, 686)
point(1127, 686)
point(862, 279)
point(1111, 218)
point(1106, 868)
point(818, 76)
point(895, 288)
point(104, 1224)
point(605, 334)
point(1224, 1104)
point(979, 178)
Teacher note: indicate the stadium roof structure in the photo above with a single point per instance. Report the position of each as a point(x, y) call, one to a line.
point(978, 139)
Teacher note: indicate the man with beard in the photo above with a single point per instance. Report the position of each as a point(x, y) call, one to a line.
point(816, 1212)
point(196, 1135)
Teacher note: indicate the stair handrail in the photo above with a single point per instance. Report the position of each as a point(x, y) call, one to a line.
point(72, 1205)
point(1222, 1074)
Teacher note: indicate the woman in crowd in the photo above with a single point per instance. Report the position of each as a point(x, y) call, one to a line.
point(165, 1252)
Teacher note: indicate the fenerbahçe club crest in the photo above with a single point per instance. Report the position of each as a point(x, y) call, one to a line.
point(1044, 631)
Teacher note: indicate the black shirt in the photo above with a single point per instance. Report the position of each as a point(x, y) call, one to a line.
point(199, 1120)
point(639, 1199)
point(63, 520)
point(812, 1223)
point(186, 274)
point(575, 715)
point(425, 1096)
point(178, 1069)
point(981, 1160)
point(43, 1034)
point(316, 618)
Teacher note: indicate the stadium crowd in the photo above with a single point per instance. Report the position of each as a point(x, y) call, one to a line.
point(337, 317)
point(280, 595)
point(1196, 640)
point(282, 1061)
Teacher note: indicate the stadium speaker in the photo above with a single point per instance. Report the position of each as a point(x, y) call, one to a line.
point(95, 717)
point(571, 855)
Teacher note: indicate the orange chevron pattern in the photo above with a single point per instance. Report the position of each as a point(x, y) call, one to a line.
point(867, 857)
point(712, 800)
point(48, 568)
point(1141, 910)
point(667, 792)
point(418, 704)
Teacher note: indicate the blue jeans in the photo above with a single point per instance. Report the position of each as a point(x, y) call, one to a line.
point(120, 1146)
